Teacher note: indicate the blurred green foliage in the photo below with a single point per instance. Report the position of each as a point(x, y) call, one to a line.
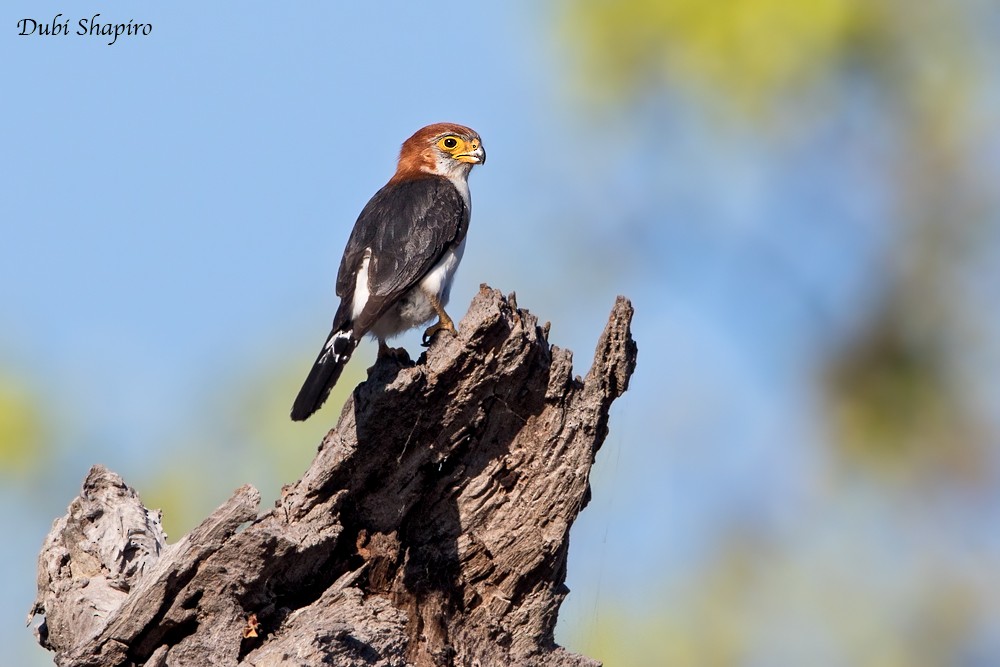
point(895, 406)
point(755, 55)
point(752, 50)
point(22, 436)
point(892, 390)
point(751, 601)
point(896, 392)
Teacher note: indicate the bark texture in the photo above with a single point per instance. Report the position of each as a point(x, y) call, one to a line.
point(431, 529)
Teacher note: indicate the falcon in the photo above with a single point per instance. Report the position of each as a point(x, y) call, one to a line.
point(401, 257)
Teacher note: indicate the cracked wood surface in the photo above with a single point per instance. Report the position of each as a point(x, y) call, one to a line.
point(431, 528)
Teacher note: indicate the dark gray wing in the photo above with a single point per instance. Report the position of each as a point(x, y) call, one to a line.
point(408, 225)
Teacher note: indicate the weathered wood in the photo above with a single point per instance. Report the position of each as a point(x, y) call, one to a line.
point(431, 528)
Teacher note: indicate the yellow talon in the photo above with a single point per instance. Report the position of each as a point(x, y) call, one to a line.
point(444, 324)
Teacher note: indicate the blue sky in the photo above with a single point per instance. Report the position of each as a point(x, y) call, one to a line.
point(176, 206)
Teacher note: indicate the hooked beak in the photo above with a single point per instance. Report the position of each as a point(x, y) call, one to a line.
point(477, 156)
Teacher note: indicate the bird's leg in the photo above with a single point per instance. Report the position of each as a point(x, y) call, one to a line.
point(444, 322)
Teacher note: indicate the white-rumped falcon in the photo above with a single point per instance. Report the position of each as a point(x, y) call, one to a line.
point(399, 262)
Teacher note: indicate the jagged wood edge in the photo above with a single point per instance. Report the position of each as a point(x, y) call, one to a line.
point(282, 552)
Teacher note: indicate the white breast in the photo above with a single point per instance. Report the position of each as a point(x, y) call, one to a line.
point(438, 280)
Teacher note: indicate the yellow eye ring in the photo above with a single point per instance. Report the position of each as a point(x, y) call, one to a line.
point(448, 143)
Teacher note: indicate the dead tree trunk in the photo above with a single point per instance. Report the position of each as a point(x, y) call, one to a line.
point(431, 528)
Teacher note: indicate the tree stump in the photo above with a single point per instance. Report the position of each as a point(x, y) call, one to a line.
point(431, 529)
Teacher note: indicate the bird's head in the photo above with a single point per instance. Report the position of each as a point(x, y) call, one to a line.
point(444, 149)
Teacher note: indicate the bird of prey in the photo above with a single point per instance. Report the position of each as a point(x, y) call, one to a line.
point(399, 262)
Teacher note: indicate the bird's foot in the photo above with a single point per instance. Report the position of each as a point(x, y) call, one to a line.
point(444, 324)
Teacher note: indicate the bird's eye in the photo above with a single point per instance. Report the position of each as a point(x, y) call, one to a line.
point(448, 143)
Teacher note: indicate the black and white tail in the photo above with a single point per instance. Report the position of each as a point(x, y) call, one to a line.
point(325, 372)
